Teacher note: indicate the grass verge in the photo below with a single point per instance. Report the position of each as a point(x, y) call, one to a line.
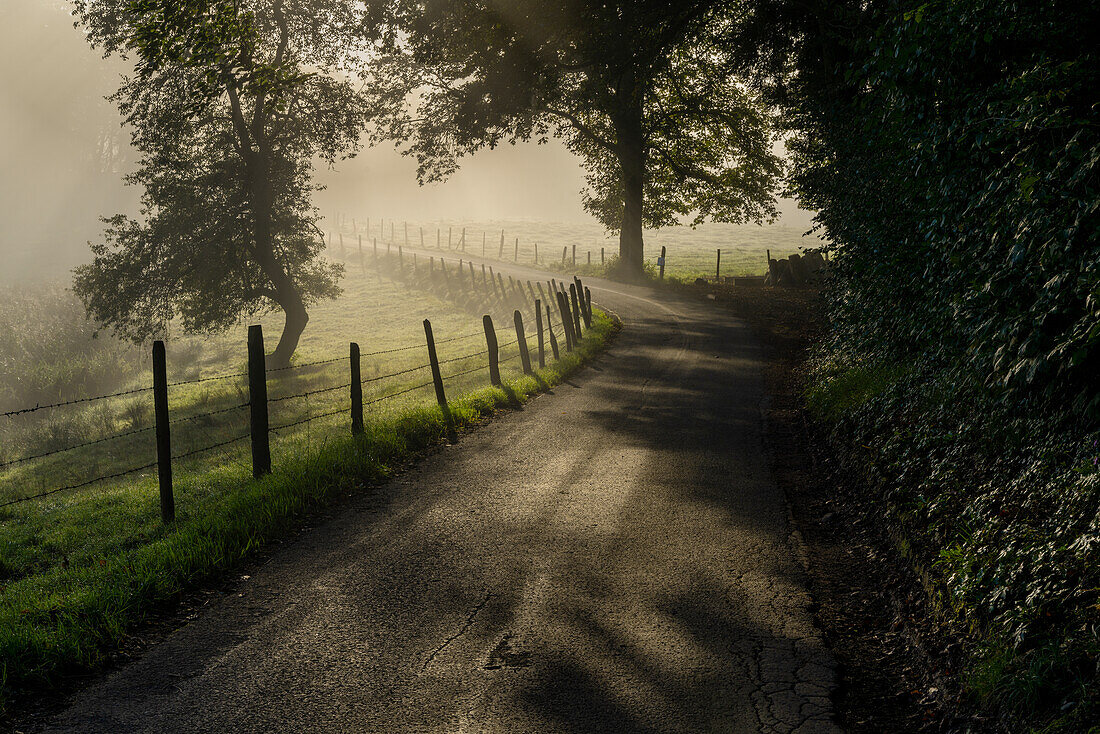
point(65, 620)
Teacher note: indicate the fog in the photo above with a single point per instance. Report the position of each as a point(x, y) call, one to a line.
point(63, 155)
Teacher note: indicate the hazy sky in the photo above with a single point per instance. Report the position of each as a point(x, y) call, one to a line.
point(52, 189)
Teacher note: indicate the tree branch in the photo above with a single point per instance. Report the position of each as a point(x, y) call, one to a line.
point(583, 129)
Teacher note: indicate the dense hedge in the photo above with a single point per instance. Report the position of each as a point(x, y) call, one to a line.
point(954, 157)
point(952, 149)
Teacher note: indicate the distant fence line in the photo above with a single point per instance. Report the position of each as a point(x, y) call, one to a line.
point(794, 270)
point(574, 307)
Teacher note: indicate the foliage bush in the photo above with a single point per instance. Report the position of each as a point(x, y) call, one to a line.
point(49, 350)
point(952, 149)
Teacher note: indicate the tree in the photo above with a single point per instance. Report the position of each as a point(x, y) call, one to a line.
point(643, 91)
point(230, 103)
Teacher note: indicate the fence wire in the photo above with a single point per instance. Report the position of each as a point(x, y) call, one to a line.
point(77, 486)
point(43, 455)
point(302, 421)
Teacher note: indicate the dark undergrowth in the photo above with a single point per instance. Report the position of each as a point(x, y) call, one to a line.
point(995, 506)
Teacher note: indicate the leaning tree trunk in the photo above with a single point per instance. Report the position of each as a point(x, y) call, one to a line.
point(631, 155)
point(286, 294)
point(257, 155)
point(285, 291)
point(296, 319)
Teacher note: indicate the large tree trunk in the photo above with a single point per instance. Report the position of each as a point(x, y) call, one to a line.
point(295, 324)
point(257, 153)
point(632, 162)
point(285, 292)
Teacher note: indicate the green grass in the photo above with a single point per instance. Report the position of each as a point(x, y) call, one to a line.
point(79, 569)
point(378, 313)
point(843, 390)
point(690, 253)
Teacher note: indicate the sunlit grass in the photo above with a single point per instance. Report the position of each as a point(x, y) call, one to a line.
point(79, 568)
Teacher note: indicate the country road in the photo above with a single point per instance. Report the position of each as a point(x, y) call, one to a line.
point(614, 557)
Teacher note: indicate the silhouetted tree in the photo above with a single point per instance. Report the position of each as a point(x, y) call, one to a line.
point(230, 103)
point(643, 91)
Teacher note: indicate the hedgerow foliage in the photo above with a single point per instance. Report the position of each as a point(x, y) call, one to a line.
point(952, 149)
point(954, 159)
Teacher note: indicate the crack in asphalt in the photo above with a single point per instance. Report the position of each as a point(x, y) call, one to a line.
point(465, 628)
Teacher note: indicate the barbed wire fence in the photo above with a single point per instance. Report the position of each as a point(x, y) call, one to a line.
point(574, 308)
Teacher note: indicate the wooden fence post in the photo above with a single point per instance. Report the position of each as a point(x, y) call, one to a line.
point(661, 264)
point(257, 402)
point(343, 254)
point(356, 392)
point(590, 257)
point(564, 254)
point(449, 237)
point(483, 235)
point(550, 330)
point(542, 296)
point(515, 255)
point(588, 300)
point(521, 338)
point(437, 378)
point(536, 253)
point(421, 237)
point(164, 435)
point(500, 255)
point(602, 260)
point(585, 312)
point(491, 344)
point(576, 312)
point(463, 241)
point(718, 267)
point(538, 327)
point(566, 321)
point(574, 256)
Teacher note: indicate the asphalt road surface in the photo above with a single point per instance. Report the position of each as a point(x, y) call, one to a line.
point(614, 557)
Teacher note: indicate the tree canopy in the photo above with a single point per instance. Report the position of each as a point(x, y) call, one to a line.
point(645, 92)
point(230, 103)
